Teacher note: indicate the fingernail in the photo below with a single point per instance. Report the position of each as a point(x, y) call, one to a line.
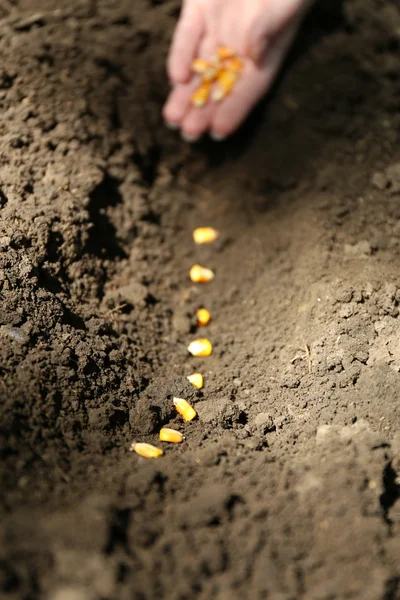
point(171, 125)
point(189, 138)
point(217, 137)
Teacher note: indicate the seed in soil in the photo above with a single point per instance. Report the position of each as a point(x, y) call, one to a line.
point(196, 379)
point(199, 274)
point(203, 317)
point(200, 347)
point(205, 235)
point(146, 450)
point(171, 435)
point(184, 408)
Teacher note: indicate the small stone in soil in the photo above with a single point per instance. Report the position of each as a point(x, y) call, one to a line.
point(18, 335)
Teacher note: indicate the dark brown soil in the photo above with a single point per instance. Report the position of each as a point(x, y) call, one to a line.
point(287, 485)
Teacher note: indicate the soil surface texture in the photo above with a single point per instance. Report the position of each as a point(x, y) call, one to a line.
point(287, 485)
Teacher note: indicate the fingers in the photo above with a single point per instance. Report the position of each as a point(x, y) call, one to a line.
point(185, 42)
point(197, 122)
point(179, 114)
point(178, 111)
point(233, 110)
point(177, 103)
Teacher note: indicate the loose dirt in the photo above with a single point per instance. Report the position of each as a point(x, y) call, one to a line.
point(287, 484)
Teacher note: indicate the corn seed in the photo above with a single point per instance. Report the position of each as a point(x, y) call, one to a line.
point(224, 52)
point(201, 94)
point(196, 379)
point(235, 65)
point(226, 81)
point(203, 317)
point(205, 235)
point(199, 66)
point(210, 74)
point(199, 274)
point(200, 347)
point(184, 408)
point(171, 435)
point(146, 450)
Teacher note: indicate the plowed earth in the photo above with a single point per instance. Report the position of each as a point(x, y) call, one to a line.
point(287, 484)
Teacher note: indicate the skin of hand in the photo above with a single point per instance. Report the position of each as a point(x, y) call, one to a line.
point(260, 31)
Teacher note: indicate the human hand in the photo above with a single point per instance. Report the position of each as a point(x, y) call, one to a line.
point(260, 31)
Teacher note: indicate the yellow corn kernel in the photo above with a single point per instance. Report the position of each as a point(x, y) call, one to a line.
point(200, 347)
point(185, 409)
point(234, 64)
point(171, 435)
point(206, 69)
point(215, 61)
point(203, 317)
point(224, 52)
point(205, 235)
point(200, 66)
point(201, 94)
point(146, 450)
point(196, 379)
point(210, 74)
point(199, 274)
point(226, 80)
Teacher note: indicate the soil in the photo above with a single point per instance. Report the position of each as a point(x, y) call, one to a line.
point(287, 485)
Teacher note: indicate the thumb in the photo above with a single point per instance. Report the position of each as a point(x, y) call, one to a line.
point(276, 16)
